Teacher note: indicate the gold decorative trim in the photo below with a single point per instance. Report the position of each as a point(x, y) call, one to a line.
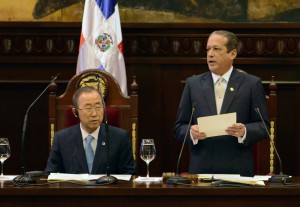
point(272, 143)
point(52, 127)
point(94, 80)
point(133, 132)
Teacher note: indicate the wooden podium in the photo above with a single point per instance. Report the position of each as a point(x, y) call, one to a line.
point(131, 194)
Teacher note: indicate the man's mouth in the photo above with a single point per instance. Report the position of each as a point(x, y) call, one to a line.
point(94, 121)
point(211, 62)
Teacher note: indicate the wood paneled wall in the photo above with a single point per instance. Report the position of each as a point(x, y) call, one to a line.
point(161, 56)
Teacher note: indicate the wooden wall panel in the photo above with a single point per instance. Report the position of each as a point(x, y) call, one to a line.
point(161, 56)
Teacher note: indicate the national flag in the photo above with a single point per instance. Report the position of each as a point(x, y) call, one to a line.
point(101, 43)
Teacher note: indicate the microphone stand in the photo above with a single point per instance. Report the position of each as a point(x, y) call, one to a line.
point(281, 178)
point(28, 177)
point(177, 179)
point(107, 179)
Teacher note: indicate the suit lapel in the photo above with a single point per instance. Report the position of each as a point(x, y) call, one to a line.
point(80, 156)
point(209, 93)
point(233, 85)
point(101, 151)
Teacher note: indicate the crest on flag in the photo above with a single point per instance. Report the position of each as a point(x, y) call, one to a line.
point(104, 42)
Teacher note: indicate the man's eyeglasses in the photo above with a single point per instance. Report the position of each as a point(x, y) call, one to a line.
point(89, 109)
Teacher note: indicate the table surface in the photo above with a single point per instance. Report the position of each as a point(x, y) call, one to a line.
point(129, 193)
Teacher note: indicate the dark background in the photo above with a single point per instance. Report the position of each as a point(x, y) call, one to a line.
point(161, 56)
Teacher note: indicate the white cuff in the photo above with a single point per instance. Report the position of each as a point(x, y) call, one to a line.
point(195, 141)
point(242, 139)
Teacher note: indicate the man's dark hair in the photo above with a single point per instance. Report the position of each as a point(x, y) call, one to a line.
point(232, 42)
point(78, 92)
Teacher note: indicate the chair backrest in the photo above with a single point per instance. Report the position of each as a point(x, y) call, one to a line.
point(122, 111)
point(264, 153)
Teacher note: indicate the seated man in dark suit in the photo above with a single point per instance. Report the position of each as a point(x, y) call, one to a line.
point(71, 153)
point(237, 92)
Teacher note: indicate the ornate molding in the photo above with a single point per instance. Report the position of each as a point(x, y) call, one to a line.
point(38, 45)
point(182, 46)
point(56, 43)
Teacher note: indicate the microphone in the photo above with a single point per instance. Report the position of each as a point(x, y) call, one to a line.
point(281, 178)
point(107, 179)
point(27, 177)
point(177, 179)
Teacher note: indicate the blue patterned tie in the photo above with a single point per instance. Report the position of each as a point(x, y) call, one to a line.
point(89, 152)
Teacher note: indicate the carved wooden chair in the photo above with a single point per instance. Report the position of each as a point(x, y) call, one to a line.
point(264, 153)
point(122, 111)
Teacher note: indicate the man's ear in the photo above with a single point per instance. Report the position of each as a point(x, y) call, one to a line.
point(75, 111)
point(233, 54)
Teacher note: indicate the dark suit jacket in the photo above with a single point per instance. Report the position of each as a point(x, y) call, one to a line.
point(68, 155)
point(223, 154)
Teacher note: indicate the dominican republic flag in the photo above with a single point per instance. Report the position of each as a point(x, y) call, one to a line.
point(101, 43)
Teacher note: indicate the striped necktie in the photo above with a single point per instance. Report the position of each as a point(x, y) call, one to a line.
point(219, 93)
point(89, 152)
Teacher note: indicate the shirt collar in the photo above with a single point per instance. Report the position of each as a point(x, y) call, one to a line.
point(85, 134)
point(226, 75)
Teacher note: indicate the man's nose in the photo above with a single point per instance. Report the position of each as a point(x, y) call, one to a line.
point(210, 52)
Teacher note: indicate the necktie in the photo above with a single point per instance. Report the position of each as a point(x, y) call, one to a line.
point(219, 93)
point(89, 152)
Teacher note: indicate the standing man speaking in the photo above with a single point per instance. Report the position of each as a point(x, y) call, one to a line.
point(223, 89)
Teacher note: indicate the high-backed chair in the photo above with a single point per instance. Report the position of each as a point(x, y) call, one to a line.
point(264, 153)
point(122, 111)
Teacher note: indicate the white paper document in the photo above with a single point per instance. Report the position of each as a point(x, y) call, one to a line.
point(150, 179)
point(218, 176)
point(82, 177)
point(8, 177)
point(217, 124)
point(235, 178)
point(262, 177)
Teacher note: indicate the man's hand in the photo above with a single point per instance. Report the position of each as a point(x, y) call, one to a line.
point(196, 134)
point(237, 130)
